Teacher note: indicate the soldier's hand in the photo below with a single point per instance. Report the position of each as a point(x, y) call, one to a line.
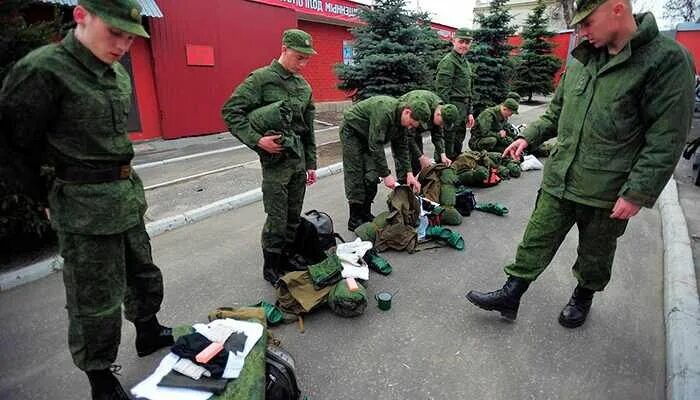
point(470, 121)
point(413, 182)
point(270, 145)
point(445, 160)
point(424, 161)
point(515, 149)
point(624, 209)
point(502, 133)
point(390, 182)
point(310, 177)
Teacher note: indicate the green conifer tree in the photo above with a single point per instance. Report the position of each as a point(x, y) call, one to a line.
point(536, 66)
point(489, 56)
point(393, 52)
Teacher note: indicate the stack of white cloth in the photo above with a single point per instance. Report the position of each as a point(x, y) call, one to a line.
point(350, 255)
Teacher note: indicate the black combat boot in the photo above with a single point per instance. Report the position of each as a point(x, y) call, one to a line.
point(271, 266)
point(367, 215)
point(575, 312)
point(505, 300)
point(152, 336)
point(105, 386)
point(357, 216)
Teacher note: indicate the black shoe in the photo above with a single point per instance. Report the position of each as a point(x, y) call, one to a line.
point(271, 266)
point(367, 212)
point(152, 336)
point(575, 312)
point(357, 217)
point(505, 300)
point(105, 386)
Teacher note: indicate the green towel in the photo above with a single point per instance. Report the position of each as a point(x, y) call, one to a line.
point(454, 239)
point(493, 208)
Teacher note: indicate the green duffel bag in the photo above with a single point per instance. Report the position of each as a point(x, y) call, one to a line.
point(448, 176)
point(448, 195)
point(450, 217)
point(514, 169)
point(346, 303)
point(474, 177)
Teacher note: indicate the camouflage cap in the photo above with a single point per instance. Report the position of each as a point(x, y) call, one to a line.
point(298, 40)
point(420, 111)
point(450, 114)
point(463, 33)
point(511, 104)
point(124, 15)
point(583, 9)
point(514, 95)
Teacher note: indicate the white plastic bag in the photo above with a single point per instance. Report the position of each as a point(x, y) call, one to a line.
point(531, 162)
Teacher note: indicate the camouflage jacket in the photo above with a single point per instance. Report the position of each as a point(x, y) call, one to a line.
point(488, 124)
point(61, 105)
point(436, 133)
point(453, 79)
point(620, 121)
point(378, 121)
point(265, 86)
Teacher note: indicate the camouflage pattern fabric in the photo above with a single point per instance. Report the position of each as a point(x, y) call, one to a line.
point(277, 117)
point(284, 178)
point(63, 99)
point(453, 83)
point(548, 226)
point(327, 272)
point(415, 141)
point(345, 303)
point(359, 172)
point(620, 121)
point(100, 272)
point(283, 189)
point(485, 132)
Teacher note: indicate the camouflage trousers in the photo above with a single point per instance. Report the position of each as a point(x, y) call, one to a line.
point(454, 138)
point(490, 143)
point(283, 190)
point(359, 173)
point(100, 272)
point(548, 226)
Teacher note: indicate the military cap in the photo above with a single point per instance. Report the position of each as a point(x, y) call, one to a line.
point(583, 9)
point(463, 33)
point(514, 95)
point(124, 15)
point(511, 104)
point(450, 114)
point(420, 111)
point(298, 40)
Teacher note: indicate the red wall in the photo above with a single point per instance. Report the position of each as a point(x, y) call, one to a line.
point(328, 42)
point(245, 36)
point(560, 50)
point(145, 89)
point(691, 41)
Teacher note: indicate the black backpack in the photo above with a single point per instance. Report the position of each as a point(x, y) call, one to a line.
point(280, 376)
point(314, 236)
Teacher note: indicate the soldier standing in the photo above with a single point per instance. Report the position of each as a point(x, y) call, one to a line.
point(443, 118)
point(367, 126)
point(288, 158)
point(66, 105)
point(620, 114)
point(490, 132)
point(453, 83)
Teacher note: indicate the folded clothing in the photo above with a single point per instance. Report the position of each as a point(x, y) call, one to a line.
point(188, 346)
point(175, 379)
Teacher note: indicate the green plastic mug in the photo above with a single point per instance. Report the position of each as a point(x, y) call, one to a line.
point(383, 300)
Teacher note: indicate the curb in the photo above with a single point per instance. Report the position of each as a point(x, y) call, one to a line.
point(681, 305)
point(53, 264)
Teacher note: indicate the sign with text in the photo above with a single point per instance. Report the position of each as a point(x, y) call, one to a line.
point(337, 9)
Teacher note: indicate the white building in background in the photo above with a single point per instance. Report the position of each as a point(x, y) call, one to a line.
point(520, 9)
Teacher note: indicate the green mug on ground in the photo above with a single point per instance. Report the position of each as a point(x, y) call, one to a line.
point(383, 300)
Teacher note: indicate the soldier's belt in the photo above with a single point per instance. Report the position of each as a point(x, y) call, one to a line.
point(86, 175)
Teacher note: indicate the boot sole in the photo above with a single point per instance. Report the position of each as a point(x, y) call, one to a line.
point(571, 325)
point(507, 315)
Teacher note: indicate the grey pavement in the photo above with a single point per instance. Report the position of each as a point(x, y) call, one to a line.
point(430, 345)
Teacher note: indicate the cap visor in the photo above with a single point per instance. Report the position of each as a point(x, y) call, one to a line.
point(580, 16)
point(304, 50)
point(125, 26)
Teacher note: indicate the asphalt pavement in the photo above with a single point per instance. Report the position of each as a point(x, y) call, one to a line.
point(432, 344)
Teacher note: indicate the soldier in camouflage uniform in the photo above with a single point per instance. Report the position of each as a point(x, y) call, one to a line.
point(490, 130)
point(443, 118)
point(66, 105)
point(620, 114)
point(286, 168)
point(367, 126)
point(453, 83)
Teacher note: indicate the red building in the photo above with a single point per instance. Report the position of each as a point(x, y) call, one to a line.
point(199, 51)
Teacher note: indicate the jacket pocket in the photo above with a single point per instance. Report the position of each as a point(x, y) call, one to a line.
point(612, 162)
